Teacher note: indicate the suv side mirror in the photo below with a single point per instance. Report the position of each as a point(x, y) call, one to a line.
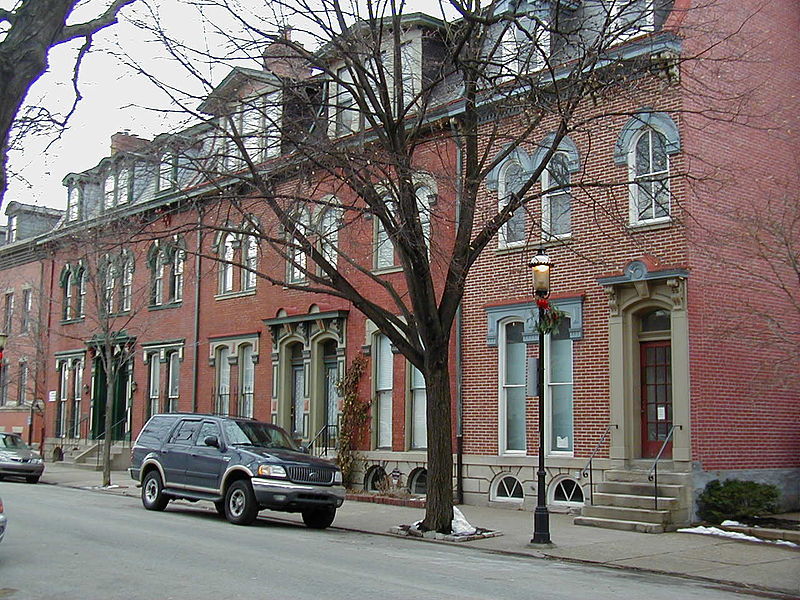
point(304, 449)
point(211, 440)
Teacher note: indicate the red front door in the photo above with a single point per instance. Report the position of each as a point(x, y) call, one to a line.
point(656, 393)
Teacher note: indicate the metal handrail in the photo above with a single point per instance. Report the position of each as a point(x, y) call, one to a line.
point(324, 434)
point(76, 430)
point(587, 469)
point(652, 475)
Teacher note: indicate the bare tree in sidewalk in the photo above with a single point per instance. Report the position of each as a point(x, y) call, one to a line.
point(103, 297)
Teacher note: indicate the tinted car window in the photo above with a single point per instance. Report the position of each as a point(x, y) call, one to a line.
point(252, 433)
point(155, 431)
point(185, 433)
point(206, 430)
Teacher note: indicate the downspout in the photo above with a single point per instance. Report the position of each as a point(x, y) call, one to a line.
point(196, 341)
point(459, 333)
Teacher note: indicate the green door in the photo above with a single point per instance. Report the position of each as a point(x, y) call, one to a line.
point(118, 417)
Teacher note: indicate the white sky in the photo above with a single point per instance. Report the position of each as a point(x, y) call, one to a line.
point(113, 98)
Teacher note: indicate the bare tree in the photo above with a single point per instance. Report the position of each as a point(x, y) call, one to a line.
point(28, 31)
point(379, 132)
point(100, 291)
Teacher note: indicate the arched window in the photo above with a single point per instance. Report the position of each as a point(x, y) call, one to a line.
point(384, 247)
point(109, 283)
point(329, 234)
point(297, 254)
point(512, 177)
point(226, 265)
point(556, 198)
point(157, 260)
point(567, 491)
point(66, 308)
point(176, 274)
point(508, 489)
point(424, 197)
point(645, 145)
point(249, 262)
point(80, 297)
point(649, 164)
point(512, 388)
point(126, 284)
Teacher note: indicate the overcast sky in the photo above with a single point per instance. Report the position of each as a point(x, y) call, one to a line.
point(114, 97)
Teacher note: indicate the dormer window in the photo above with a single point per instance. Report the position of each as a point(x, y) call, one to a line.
point(346, 116)
point(524, 45)
point(410, 68)
point(626, 19)
point(109, 190)
point(167, 172)
point(11, 231)
point(124, 188)
point(73, 203)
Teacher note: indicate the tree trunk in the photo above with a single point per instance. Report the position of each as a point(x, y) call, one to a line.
point(110, 379)
point(439, 500)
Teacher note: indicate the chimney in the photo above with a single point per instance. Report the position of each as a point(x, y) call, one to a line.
point(281, 59)
point(123, 141)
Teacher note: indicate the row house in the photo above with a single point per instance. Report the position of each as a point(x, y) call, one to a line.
point(172, 245)
point(24, 319)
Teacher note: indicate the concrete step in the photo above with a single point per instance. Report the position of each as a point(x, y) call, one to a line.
point(638, 489)
point(637, 476)
point(632, 501)
point(618, 513)
point(623, 525)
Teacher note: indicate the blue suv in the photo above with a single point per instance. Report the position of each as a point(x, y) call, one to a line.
point(240, 465)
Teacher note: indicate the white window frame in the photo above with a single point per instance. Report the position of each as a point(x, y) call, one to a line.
point(27, 308)
point(500, 481)
point(176, 272)
point(298, 258)
point(328, 230)
point(123, 185)
point(73, 203)
point(250, 262)
point(66, 312)
point(503, 388)
point(384, 376)
point(549, 386)
point(109, 190)
point(246, 380)
point(154, 384)
point(624, 19)
point(273, 115)
point(11, 230)
point(419, 400)
point(223, 380)
point(635, 189)
point(173, 380)
point(126, 288)
point(346, 116)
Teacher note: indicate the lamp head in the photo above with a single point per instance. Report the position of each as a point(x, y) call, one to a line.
point(541, 266)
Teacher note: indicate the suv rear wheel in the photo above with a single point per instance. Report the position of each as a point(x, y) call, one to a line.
point(240, 503)
point(153, 497)
point(319, 518)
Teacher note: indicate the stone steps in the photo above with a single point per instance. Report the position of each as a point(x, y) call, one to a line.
point(625, 500)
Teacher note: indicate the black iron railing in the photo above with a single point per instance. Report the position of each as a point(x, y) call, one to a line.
point(587, 469)
point(325, 439)
point(653, 474)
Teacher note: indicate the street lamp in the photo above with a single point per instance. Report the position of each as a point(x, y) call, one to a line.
point(541, 266)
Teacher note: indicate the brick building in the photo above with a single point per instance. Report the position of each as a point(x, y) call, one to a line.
point(640, 203)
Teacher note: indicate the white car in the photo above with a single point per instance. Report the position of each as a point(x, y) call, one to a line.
point(17, 459)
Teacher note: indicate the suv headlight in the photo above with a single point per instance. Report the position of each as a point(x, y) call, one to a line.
point(337, 477)
point(271, 471)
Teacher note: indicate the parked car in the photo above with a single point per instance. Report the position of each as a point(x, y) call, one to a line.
point(3, 521)
point(241, 465)
point(17, 459)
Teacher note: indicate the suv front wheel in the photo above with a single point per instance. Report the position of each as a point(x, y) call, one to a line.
point(241, 507)
point(319, 518)
point(153, 497)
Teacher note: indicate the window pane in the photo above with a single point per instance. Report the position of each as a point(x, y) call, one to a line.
point(515, 418)
point(561, 406)
point(515, 355)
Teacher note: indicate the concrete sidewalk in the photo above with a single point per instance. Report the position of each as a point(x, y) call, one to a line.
point(758, 567)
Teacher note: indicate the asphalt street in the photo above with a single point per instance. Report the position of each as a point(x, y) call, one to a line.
point(65, 544)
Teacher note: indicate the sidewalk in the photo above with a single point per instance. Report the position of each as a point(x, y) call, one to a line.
point(760, 567)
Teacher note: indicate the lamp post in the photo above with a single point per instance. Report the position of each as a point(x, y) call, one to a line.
point(541, 266)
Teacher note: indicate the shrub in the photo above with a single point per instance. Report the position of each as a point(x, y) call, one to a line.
point(736, 500)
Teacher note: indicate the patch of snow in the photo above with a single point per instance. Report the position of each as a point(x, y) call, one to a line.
point(735, 535)
point(460, 525)
point(732, 524)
